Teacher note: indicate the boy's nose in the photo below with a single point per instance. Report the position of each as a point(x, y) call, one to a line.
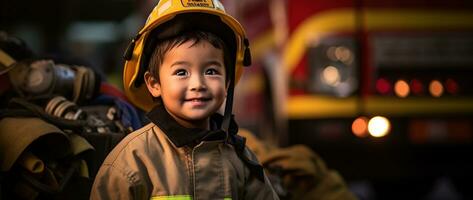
point(197, 83)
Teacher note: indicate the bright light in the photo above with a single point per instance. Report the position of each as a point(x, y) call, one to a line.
point(331, 76)
point(344, 54)
point(401, 88)
point(436, 88)
point(331, 53)
point(340, 53)
point(359, 127)
point(379, 126)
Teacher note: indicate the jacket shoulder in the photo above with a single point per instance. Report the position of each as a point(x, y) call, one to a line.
point(132, 143)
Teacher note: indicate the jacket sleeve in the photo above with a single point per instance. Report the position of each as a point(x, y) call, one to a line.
point(298, 172)
point(305, 174)
point(114, 183)
point(255, 188)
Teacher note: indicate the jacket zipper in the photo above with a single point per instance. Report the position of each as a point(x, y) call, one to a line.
point(190, 164)
point(193, 170)
point(193, 174)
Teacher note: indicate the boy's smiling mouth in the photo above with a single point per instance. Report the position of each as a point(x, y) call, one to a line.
point(198, 100)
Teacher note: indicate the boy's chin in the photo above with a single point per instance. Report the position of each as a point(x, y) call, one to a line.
point(198, 116)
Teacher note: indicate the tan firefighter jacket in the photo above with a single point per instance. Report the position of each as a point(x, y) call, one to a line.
point(164, 160)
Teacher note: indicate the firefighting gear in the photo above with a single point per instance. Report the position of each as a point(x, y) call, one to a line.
point(302, 172)
point(164, 160)
point(11, 50)
point(56, 125)
point(18, 133)
point(45, 78)
point(172, 17)
point(6, 62)
point(61, 107)
point(34, 154)
point(31, 163)
point(53, 151)
point(47, 144)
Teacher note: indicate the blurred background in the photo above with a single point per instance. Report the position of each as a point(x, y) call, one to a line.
point(381, 89)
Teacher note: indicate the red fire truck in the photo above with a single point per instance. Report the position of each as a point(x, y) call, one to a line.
point(383, 90)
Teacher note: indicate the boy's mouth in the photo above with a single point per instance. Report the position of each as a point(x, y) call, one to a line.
point(198, 102)
point(198, 99)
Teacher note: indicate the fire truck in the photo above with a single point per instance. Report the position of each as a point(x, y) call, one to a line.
point(382, 90)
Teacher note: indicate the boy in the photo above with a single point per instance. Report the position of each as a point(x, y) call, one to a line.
point(181, 67)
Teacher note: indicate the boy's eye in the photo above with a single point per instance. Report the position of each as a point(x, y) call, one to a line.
point(180, 72)
point(211, 71)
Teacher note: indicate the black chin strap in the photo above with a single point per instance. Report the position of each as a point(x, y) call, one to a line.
point(227, 115)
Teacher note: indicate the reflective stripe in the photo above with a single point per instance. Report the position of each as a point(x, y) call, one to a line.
point(173, 197)
point(179, 197)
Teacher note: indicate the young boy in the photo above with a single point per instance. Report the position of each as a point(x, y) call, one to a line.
point(181, 67)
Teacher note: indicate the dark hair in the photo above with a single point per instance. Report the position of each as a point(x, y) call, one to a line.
point(166, 45)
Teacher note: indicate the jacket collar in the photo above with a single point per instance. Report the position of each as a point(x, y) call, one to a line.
point(182, 136)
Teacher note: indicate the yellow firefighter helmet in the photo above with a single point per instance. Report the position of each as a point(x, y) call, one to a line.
point(169, 18)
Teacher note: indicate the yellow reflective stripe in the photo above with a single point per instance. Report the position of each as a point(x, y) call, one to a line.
point(173, 197)
point(179, 197)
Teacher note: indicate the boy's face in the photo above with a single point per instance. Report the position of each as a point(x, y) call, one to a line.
point(191, 83)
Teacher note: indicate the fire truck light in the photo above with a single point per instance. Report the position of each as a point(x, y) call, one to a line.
point(344, 54)
point(451, 86)
point(383, 86)
point(331, 53)
point(436, 88)
point(340, 53)
point(401, 88)
point(417, 87)
point(359, 127)
point(331, 76)
point(379, 126)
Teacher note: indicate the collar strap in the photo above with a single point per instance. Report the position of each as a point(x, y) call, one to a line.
point(255, 168)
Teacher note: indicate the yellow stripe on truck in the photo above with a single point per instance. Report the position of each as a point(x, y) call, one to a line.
point(343, 20)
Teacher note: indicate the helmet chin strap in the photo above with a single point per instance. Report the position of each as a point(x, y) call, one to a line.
point(227, 115)
point(237, 141)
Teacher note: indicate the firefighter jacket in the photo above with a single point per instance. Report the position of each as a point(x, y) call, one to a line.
point(164, 160)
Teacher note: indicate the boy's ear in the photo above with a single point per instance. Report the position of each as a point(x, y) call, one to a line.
point(152, 84)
